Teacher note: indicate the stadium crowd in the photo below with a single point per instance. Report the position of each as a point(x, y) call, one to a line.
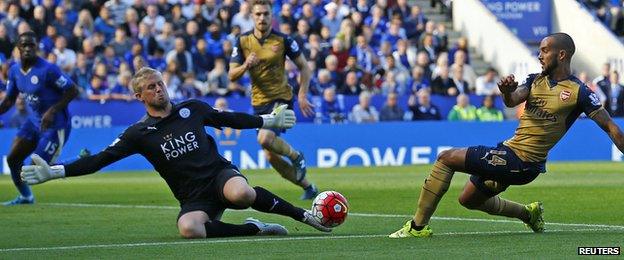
point(355, 48)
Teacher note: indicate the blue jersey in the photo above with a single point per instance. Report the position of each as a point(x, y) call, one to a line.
point(43, 86)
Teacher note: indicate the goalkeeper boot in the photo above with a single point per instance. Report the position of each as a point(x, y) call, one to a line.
point(268, 229)
point(309, 219)
point(408, 231)
point(19, 201)
point(536, 222)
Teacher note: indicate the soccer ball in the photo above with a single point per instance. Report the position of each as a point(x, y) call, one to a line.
point(330, 208)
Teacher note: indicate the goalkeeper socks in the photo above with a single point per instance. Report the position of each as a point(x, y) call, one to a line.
point(436, 184)
point(270, 203)
point(502, 207)
point(217, 228)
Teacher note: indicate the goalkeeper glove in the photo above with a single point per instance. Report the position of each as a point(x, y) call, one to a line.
point(281, 117)
point(41, 172)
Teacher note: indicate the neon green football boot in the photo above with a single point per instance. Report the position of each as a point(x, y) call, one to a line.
point(536, 222)
point(408, 231)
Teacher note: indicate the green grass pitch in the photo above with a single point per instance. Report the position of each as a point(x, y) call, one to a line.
point(132, 215)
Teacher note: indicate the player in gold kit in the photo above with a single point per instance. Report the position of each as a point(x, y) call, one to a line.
point(262, 52)
point(554, 100)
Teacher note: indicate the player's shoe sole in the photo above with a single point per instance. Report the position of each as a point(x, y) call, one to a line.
point(536, 221)
point(407, 231)
point(268, 229)
point(309, 219)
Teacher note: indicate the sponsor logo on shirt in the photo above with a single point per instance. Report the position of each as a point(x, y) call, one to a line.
point(174, 147)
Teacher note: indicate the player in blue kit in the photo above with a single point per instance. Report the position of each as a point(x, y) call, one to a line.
point(48, 92)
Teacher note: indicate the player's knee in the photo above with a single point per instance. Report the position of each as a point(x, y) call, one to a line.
point(446, 157)
point(467, 202)
point(190, 230)
point(265, 140)
point(243, 197)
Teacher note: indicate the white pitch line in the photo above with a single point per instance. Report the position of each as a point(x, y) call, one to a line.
point(85, 205)
point(250, 240)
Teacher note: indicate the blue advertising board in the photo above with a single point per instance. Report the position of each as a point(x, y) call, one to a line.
point(381, 144)
point(530, 20)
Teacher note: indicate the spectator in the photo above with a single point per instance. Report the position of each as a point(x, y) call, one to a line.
point(11, 21)
point(415, 23)
point(147, 41)
point(399, 73)
point(173, 83)
point(463, 87)
point(221, 104)
point(176, 19)
point(489, 113)
point(215, 38)
point(324, 82)
point(427, 45)
point(117, 9)
point(39, 22)
point(210, 10)
point(131, 24)
point(422, 109)
point(352, 86)
point(331, 64)
point(104, 24)
point(404, 55)
point(340, 52)
point(85, 21)
point(97, 90)
point(443, 85)
point(615, 96)
point(81, 74)
point(468, 72)
point(243, 18)
point(346, 34)
point(6, 46)
point(313, 20)
point(138, 62)
point(602, 82)
point(422, 60)
point(21, 114)
point(155, 21)
point(363, 112)
point(364, 53)
point(462, 44)
point(181, 56)
point(218, 80)
point(332, 20)
point(486, 85)
point(157, 61)
point(26, 9)
point(166, 38)
point(286, 15)
point(391, 111)
point(66, 58)
point(188, 87)
point(417, 81)
point(121, 90)
point(394, 33)
point(331, 110)
point(203, 61)
point(120, 43)
point(463, 111)
point(224, 20)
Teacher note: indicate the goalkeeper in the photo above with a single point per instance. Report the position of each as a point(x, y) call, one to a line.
point(173, 139)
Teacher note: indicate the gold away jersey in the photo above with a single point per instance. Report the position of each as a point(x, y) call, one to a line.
point(550, 110)
point(268, 77)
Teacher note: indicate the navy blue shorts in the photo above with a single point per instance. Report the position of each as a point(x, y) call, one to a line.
point(213, 201)
point(493, 169)
point(268, 108)
point(49, 142)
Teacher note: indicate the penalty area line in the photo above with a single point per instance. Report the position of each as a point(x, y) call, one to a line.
point(278, 239)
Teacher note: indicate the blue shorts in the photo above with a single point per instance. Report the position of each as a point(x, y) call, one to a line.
point(493, 169)
point(49, 143)
point(268, 108)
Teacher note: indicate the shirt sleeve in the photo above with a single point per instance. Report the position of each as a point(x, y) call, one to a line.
point(121, 147)
point(529, 80)
point(11, 87)
point(237, 53)
point(292, 48)
point(588, 101)
point(236, 120)
point(58, 79)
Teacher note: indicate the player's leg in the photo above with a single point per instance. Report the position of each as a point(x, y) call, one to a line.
point(275, 147)
point(435, 186)
point(20, 149)
point(482, 195)
point(238, 194)
point(196, 223)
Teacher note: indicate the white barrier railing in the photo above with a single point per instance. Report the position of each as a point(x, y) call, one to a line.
point(498, 45)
